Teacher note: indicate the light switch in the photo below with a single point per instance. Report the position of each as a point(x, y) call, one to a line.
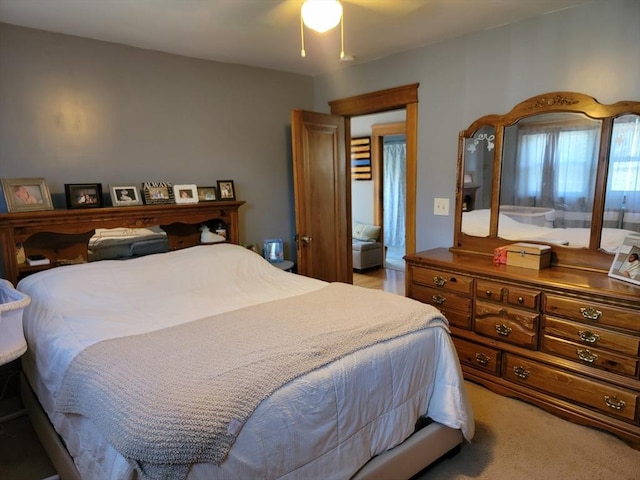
point(441, 206)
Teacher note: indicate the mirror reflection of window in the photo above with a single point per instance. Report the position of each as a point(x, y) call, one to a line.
point(622, 199)
point(548, 178)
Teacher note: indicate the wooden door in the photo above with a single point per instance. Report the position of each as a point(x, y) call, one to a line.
point(322, 196)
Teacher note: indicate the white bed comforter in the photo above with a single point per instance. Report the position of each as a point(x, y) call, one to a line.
point(314, 427)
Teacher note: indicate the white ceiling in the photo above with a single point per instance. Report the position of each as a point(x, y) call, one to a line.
point(266, 33)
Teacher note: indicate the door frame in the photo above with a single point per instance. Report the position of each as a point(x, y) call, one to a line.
point(398, 98)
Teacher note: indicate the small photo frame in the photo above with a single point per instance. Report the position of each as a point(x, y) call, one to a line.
point(125, 195)
point(468, 178)
point(626, 263)
point(207, 194)
point(273, 250)
point(83, 195)
point(185, 193)
point(157, 193)
point(26, 194)
point(226, 190)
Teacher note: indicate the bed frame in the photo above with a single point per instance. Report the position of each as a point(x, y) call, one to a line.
point(63, 236)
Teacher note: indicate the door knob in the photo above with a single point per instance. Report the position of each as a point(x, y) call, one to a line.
point(306, 239)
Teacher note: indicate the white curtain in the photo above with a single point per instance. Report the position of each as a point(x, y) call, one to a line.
point(557, 168)
point(394, 193)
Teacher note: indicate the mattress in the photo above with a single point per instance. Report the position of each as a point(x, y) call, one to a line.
point(312, 427)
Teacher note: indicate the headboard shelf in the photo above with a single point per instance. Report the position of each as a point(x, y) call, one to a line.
point(63, 235)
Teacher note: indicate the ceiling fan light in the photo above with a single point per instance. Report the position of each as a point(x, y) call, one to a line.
point(321, 15)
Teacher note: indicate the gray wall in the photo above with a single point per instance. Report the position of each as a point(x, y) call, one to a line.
point(75, 110)
point(592, 49)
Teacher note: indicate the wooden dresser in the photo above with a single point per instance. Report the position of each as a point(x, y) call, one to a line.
point(564, 339)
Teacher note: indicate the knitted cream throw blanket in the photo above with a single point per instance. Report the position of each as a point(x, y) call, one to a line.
point(178, 396)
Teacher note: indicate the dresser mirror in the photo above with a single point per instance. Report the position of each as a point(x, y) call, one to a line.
point(559, 169)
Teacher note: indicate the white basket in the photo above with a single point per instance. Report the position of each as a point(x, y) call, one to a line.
point(12, 303)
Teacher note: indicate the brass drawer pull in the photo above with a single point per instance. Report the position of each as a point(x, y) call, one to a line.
point(488, 293)
point(439, 281)
point(521, 372)
point(438, 299)
point(613, 402)
point(588, 337)
point(503, 330)
point(520, 300)
point(587, 356)
point(482, 359)
point(590, 313)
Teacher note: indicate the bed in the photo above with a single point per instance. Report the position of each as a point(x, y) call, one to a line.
point(476, 223)
point(354, 410)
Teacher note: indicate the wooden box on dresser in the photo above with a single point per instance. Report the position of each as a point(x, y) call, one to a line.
point(566, 340)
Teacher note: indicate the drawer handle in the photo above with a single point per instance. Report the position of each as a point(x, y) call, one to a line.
point(588, 337)
point(613, 402)
point(438, 299)
point(488, 293)
point(590, 313)
point(439, 281)
point(586, 356)
point(521, 372)
point(520, 300)
point(503, 330)
point(482, 359)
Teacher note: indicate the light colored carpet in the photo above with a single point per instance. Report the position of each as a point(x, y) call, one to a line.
point(516, 440)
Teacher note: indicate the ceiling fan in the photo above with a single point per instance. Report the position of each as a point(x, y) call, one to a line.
point(312, 15)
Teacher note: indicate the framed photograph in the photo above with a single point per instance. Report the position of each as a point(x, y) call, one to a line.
point(26, 194)
point(207, 194)
point(125, 195)
point(83, 195)
point(226, 190)
point(185, 193)
point(468, 178)
point(626, 263)
point(157, 192)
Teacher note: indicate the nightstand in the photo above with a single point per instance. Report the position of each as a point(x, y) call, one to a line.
point(286, 265)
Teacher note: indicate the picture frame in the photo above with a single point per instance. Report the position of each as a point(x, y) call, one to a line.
point(83, 195)
point(157, 193)
point(207, 194)
point(185, 193)
point(273, 250)
point(468, 178)
point(626, 263)
point(125, 195)
point(26, 194)
point(226, 190)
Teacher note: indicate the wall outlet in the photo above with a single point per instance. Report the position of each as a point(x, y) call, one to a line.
point(441, 206)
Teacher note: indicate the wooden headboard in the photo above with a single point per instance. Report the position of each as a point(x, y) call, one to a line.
point(63, 235)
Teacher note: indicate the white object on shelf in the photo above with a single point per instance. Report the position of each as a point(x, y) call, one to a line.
point(12, 304)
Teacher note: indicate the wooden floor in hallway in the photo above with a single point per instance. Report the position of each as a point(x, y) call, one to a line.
point(381, 279)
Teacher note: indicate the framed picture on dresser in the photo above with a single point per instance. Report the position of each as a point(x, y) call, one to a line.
point(626, 264)
point(226, 190)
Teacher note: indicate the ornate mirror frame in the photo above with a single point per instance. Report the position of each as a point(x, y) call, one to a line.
point(589, 258)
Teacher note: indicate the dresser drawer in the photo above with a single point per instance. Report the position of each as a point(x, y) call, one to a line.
point(442, 299)
point(593, 313)
point(614, 401)
point(446, 281)
point(507, 324)
point(517, 296)
point(478, 356)
point(594, 357)
point(592, 336)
